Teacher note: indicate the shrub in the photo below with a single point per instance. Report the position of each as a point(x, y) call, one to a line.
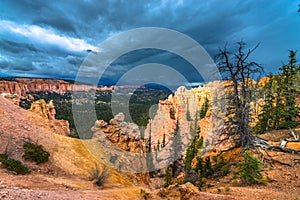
point(250, 169)
point(3, 157)
point(225, 170)
point(100, 177)
point(35, 153)
point(220, 165)
point(288, 124)
point(162, 193)
point(227, 189)
point(15, 166)
point(146, 195)
point(201, 183)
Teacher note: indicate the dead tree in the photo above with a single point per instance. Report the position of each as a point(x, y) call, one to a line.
point(239, 72)
point(7, 145)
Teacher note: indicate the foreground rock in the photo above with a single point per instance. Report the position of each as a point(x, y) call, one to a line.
point(188, 191)
point(121, 144)
point(125, 136)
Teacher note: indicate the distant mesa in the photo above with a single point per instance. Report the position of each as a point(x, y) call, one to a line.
point(20, 86)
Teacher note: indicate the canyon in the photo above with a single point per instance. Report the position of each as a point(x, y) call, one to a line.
point(121, 146)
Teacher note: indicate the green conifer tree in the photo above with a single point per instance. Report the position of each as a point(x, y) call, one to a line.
point(204, 108)
point(168, 177)
point(250, 172)
point(288, 93)
point(163, 141)
point(266, 117)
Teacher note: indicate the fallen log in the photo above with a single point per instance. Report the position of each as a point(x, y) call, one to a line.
point(258, 142)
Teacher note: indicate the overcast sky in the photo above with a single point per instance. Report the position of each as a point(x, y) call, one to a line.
point(52, 38)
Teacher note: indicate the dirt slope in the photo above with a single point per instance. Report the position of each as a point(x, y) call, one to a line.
point(68, 155)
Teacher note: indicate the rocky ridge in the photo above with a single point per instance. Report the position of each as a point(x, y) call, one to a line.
point(20, 86)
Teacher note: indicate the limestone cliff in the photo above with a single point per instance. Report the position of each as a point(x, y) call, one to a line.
point(177, 119)
point(182, 108)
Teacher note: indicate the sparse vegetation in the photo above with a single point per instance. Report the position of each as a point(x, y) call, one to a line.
point(35, 153)
point(100, 177)
point(220, 166)
point(162, 193)
point(227, 189)
point(146, 195)
point(15, 166)
point(3, 157)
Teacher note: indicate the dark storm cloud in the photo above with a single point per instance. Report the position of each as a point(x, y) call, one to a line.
point(57, 35)
point(20, 65)
point(16, 47)
point(73, 60)
point(39, 13)
point(58, 22)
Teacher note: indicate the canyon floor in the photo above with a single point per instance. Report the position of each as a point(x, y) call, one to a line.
point(41, 186)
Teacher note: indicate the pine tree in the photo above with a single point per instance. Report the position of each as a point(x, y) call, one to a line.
point(199, 166)
point(163, 141)
point(280, 93)
point(194, 146)
point(250, 172)
point(207, 167)
point(279, 105)
point(149, 154)
point(204, 108)
point(199, 169)
point(188, 113)
point(289, 92)
point(176, 144)
point(199, 143)
point(189, 156)
point(168, 177)
point(266, 117)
